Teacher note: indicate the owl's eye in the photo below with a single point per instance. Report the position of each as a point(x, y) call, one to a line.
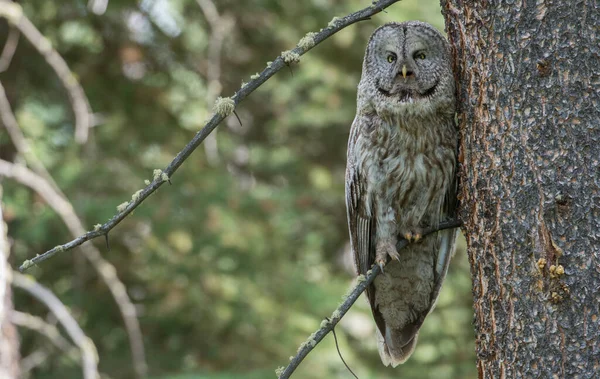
point(420, 55)
point(391, 58)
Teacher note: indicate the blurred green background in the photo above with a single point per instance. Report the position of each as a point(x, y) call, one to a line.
point(237, 262)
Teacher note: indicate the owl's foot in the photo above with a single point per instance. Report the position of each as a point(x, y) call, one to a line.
point(414, 235)
point(383, 250)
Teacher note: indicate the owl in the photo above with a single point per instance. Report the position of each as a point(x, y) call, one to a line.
point(400, 178)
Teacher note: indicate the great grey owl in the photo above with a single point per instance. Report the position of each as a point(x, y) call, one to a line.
point(400, 177)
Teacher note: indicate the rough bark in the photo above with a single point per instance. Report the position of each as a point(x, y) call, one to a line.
point(9, 342)
point(528, 77)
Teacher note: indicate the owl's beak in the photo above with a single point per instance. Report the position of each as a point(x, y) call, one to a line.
point(404, 71)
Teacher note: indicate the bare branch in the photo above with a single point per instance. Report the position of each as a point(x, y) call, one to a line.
point(362, 284)
point(59, 202)
point(12, 41)
point(47, 188)
point(81, 108)
point(334, 26)
point(105, 269)
point(220, 27)
point(33, 360)
point(20, 142)
point(89, 355)
point(38, 324)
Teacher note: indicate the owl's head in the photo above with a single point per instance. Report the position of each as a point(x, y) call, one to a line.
point(407, 68)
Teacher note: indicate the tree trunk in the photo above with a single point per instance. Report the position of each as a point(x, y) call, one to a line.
point(528, 77)
point(9, 342)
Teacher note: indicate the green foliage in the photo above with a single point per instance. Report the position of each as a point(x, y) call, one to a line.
point(237, 262)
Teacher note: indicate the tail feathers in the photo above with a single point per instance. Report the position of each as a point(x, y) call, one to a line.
point(394, 349)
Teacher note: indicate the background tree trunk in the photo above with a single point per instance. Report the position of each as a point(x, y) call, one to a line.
point(9, 342)
point(529, 85)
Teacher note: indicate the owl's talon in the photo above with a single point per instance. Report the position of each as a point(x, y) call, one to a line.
point(384, 250)
point(413, 236)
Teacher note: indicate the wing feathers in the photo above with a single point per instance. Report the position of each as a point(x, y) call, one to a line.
point(361, 225)
point(363, 251)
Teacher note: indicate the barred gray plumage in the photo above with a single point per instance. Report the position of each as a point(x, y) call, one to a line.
point(400, 177)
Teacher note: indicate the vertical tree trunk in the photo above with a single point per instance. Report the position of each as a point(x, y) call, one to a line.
point(529, 87)
point(9, 343)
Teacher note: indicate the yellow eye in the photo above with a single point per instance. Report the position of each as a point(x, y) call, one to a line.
point(391, 58)
point(420, 55)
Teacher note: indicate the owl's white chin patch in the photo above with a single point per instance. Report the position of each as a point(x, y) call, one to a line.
point(407, 96)
point(410, 100)
point(404, 97)
point(407, 107)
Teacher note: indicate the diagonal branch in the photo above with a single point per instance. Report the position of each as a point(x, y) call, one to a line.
point(81, 107)
point(220, 27)
point(362, 284)
point(106, 271)
point(38, 324)
point(89, 355)
point(33, 360)
point(21, 143)
point(42, 182)
point(12, 40)
point(306, 44)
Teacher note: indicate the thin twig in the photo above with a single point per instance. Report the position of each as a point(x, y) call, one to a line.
point(240, 95)
point(238, 118)
point(12, 41)
point(79, 102)
point(220, 27)
point(105, 269)
point(89, 355)
point(337, 347)
point(38, 324)
point(21, 143)
point(363, 282)
point(50, 331)
point(33, 360)
point(47, 188)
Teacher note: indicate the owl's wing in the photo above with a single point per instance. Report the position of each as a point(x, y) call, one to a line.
point(362, 227)
point(447, 240)
point(360, 223)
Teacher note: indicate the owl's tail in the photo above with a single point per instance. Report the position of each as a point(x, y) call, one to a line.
point(397, 346)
